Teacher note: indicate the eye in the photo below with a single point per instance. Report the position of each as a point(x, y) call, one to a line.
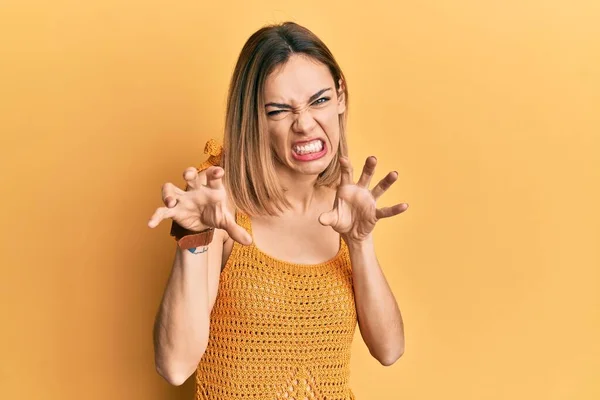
point(321, 101)
point(275, 113)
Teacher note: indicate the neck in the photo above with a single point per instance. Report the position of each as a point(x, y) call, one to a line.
point(300, 190)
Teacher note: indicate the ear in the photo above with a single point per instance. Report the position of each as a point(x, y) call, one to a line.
point(341, 106)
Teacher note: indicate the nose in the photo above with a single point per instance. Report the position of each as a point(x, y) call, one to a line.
point(303, 121)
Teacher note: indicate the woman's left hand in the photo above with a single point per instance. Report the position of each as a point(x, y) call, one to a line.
point(355, 211)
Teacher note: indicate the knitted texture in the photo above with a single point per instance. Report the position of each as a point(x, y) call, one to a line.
point(279, 330)
point(214, 151)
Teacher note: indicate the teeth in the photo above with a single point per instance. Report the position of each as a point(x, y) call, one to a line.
point(313, 147)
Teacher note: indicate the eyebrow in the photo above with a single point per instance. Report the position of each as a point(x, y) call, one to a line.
point(312, 98)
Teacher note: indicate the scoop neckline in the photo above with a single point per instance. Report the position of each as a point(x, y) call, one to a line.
point(293, 265)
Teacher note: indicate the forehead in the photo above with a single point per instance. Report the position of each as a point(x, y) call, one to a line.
point(296, 80)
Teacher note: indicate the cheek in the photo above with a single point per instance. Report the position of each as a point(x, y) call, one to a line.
point(278, 133)
point(330, 124)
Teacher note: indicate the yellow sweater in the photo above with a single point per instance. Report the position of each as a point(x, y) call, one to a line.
point(279, 330)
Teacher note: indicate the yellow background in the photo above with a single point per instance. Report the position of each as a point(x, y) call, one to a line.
point(489, 110)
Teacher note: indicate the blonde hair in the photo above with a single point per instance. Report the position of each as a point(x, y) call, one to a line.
point(250, 176)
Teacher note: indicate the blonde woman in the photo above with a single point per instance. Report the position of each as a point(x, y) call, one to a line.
point(275, 263)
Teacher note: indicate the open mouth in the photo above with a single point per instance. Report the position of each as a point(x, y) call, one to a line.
point(309, 151)
point(312, 147)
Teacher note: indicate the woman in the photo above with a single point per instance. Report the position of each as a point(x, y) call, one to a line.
point(276, 262)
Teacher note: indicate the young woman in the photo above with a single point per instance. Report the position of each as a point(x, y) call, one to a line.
point(276, 262)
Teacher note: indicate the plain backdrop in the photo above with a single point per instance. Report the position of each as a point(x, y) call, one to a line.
point(488, 110)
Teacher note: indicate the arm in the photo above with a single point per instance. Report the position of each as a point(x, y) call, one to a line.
point(182, 323)
point(379, 317)
point(354, 216)
point(181, 328)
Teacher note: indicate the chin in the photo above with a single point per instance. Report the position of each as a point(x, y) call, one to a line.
point(315, 167)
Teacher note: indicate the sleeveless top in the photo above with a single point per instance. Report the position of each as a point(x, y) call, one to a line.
point(279, 330)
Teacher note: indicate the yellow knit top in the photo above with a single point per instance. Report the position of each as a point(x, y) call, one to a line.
point(279, 330)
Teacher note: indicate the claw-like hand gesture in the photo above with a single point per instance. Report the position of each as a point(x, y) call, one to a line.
point(354, 212)
point(200, 206)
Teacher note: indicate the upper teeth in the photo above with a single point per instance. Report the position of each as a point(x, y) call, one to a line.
point(311, 147)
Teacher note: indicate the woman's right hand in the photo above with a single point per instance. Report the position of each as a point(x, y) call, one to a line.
point(200, 206)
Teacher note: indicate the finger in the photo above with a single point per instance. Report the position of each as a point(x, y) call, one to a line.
point(191, 178)
point(329, 218)
point(214, 177)
point(347, 173)
point(367, 172)
point(160, 214)
point(170, 194)
point(239, 234)
point(384, 184)
point(387, 212)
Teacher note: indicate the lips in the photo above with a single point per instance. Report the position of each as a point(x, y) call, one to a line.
point(309, 150)
point(308, 146)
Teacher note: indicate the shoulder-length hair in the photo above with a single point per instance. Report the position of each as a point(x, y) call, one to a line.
point(250, 177)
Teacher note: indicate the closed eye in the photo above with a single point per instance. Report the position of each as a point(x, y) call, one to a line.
point(275, 112)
